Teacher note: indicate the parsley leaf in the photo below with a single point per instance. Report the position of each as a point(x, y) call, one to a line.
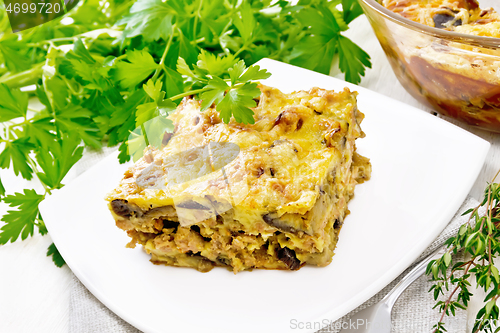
point(319, 20)
point(238, 103)
point(151, 19)
point(80, 52)
point(17, 151)
point(253, 73)
point(75, 119)
point(57, 93)
point(186, 50)
point(159, 107)
point(154, 131)
point(56, 256)
point(135, 144)
point(174, 83)
point(214, 93)
point(20, 222)
point(124, 155)
point(40, 130)
point(13, 103)
point(14, 53)
point(245, 22)
point(323, 40)
point(140, 65)
point(353, 60)
point(240, 98)
point(93, 75)
point(42, 229)
point(197, 73)
point(123, 118)
point(236, 71)
point(58, 159)
point(316, 50)
point(231, 100)
point(351, 9)
point(151, 119)
point(214, 65)
point(43, 98)
point(154, 90)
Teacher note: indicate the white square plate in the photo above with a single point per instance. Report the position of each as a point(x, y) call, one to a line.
point(423, 168)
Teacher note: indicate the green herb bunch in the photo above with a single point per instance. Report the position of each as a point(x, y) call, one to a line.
point(107, 68)
point(480, 240)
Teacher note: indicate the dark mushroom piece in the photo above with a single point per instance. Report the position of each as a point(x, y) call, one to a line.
point(167, 224)
point(440, 20)
point(288, 257)
point(123, 208)
point(277, 223)
point(191, 205)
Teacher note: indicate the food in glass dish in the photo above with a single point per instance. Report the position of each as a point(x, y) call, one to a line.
point(272, 194)
point(452, 63)
point(463, 16)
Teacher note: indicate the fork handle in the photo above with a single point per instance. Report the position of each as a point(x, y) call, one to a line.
point(409, 278)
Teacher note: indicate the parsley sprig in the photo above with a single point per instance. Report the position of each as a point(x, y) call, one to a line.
point(234, 96)
point(479, 239)
point(113, 75)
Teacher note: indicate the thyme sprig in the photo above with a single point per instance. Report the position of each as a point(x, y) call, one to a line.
point(479, 238)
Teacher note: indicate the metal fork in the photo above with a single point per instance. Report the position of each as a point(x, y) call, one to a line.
point(377, 318)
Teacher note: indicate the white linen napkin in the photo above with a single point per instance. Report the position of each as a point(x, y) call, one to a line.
point(412, 312)
point(88, 315)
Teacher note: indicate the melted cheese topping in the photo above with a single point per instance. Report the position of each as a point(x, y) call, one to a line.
point(284, 158)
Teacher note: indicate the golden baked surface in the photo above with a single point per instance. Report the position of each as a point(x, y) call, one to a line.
point(462, 16)
point(272, 194)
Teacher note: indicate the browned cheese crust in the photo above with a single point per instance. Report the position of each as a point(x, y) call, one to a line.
point(462, 16)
